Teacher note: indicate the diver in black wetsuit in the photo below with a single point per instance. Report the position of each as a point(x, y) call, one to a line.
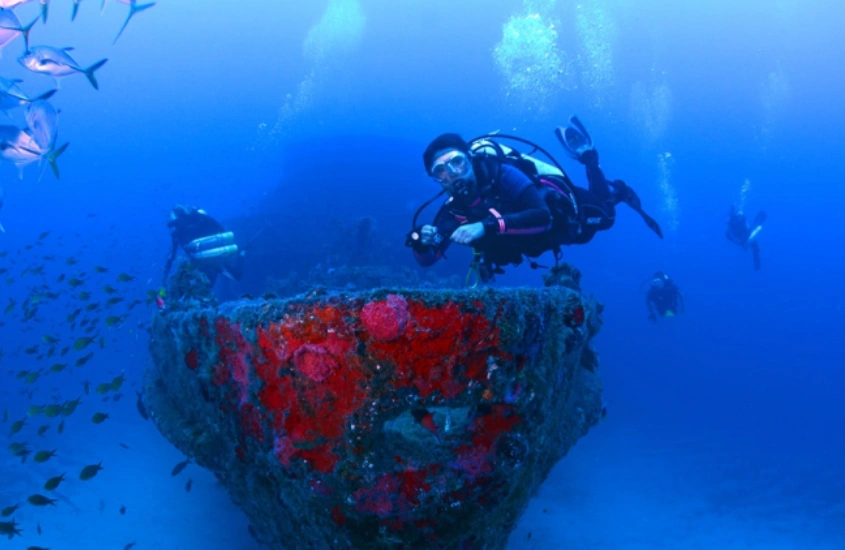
point(664, 298)
point(744, 234)
point(507, 205)
point(205, 241)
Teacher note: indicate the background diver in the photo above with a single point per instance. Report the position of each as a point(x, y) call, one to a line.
point(664, 298)
point(205, 241)
point(744, 234)
point(506, 204)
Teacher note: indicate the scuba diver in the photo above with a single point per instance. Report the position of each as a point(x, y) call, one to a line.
point(506, 205)
point(664, 298)
point(744, 234)
point(205, 241)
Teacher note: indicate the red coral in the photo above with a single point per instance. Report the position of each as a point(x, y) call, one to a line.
point(386, 320)
point(192, 359)
point(314, 362)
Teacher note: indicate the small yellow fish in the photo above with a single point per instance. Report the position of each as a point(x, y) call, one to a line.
point(99, 418)
point(41, 500)
point(43, 456)
point(90, 471)
point(82, 343)
point(58, 367)
point(117, 382)
point(53, 410)
point(103, 388)
point(17, 426)
point(9, 510)
point(53, 483)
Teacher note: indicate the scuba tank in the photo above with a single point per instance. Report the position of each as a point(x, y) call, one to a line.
point(213, 241)
point(218, 253)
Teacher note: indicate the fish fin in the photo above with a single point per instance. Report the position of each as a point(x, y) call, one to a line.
point(68, 49)
point(53, 156)
point(45, 95)
point(73, 12)
point(102, 7)
point(89, 72)
point(134, 8)
point(44, 6)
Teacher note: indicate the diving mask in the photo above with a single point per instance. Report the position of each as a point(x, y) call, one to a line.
point(450, 167)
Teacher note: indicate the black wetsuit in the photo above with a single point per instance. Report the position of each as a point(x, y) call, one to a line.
point(196, 225)
point(663, 300)
point(522, 216)
point(739, 232)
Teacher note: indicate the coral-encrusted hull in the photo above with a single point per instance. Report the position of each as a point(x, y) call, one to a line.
point(392, 419)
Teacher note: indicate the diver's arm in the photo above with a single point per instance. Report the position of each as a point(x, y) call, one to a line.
point(532, 216)
point(681, 305)
point(444, 224)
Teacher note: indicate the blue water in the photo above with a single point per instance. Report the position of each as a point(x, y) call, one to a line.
point(725, 423)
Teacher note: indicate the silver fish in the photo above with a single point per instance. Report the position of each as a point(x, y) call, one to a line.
point(2, 200)
point(57, 63)
point(11, 28)
point(11, 96)
point(134, 7)
point(9, 4)
point(20, 148)
point(43, 121)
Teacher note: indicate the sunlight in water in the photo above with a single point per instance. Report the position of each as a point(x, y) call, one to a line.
point(670, 197)
point(597, 33)
point(528, 58)
point(329, 45)
point(651, 110)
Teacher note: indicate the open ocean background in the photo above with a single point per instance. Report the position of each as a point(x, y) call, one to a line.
point(725, 424)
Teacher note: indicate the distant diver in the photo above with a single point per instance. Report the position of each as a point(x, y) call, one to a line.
point(506, 204)
point(206, 242)
point(664, 298)
point(744, 234)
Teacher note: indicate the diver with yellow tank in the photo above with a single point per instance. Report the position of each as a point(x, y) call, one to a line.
point(506, 204)
point(205, 241)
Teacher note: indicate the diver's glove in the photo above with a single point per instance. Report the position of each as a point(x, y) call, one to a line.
point(589, 158)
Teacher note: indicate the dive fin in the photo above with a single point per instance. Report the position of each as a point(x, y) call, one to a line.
point(630, 197)
point(89, 72)
point(759, 219)
point(134, 8)
point(574, 138)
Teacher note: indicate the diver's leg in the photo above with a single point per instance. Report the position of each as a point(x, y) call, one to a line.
point(755, 251)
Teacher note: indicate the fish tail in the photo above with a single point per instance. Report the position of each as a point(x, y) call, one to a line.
point(89, 72)
point(73, 12)
point(134, 8)
point(45, 95)
point(53, 156)
point(25, 32)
